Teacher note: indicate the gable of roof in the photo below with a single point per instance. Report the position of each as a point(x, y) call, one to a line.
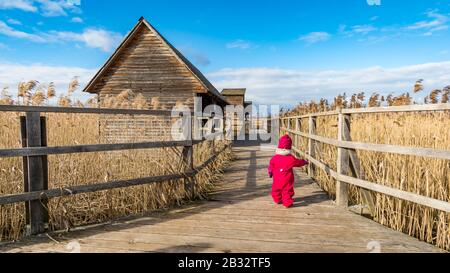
point(234, 92)
point(182, 59)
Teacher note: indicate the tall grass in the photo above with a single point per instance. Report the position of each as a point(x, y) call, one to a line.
point(80, 169)
point(424, 176)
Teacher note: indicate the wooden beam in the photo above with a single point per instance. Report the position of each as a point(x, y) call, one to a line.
point(23, 134)
point(35, 196)
point(40, 151)
point(390, 109)
point(187, 157)
point(48, 194)
point(52, 109)
point(36, 177)
point(311, 143)
point(342, 165)
point(385, 148)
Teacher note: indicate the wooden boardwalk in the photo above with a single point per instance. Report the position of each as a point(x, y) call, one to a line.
point(239, 217)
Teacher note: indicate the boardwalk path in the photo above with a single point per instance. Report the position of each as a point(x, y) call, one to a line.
point(240, 217)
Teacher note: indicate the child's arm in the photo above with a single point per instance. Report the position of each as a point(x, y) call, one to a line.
point(300, 163)
point(270, 169)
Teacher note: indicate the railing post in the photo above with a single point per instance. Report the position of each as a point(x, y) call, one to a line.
point(37, 173)
point(187, 153)
point(23, 134)
point(355, 166)
point(188, 162)
point(311, 144)
point(297, 129)
point(342, 162)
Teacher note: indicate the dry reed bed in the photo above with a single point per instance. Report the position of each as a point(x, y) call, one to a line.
point(425, 176)
point(79, 169)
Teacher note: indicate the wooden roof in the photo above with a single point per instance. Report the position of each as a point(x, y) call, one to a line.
point(143, 22)
point(234, 92)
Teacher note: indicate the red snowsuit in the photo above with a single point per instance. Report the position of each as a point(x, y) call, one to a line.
point(281, 169)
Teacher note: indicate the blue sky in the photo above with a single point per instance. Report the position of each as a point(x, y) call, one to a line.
point(282, 51)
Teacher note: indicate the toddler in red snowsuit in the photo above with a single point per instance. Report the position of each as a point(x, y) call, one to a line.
point(281, 170)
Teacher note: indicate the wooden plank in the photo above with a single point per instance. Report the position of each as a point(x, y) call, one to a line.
point(66, 110)
point(384, 148)
point(321, 114)
point(39, 151)
point(23, 134)
point(311, 143)
point(44, 168)
point(38, 211)
point(37, 195)
point(342, 166)
point(47, 194)
point(404, 108)
point(389, 109)
point(188, 163)
point(408, 196)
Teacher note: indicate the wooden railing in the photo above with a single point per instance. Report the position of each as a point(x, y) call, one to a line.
point(35, 165)
point(347, 159)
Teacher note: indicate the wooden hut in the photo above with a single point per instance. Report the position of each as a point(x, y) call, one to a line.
point(146, 63)
point(236, 97)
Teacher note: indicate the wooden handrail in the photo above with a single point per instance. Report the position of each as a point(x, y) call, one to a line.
point(384, 148)
point(387, 109)
point(39, 151)
point(53, 193)
point(87, 110)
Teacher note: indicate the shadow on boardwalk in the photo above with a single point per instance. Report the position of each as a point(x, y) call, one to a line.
point(239, 216)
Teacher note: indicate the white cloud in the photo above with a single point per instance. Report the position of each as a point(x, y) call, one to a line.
point(363, 29)
point(24, 5)
point(437, 20)
point(240, 44)
point(9, 31)
point(91, 37)
point(288, 87)
point(94, 38)
point(315, 37)
point(52, 8)
point(14, 22)
point(356, 30)
point(11, 74)
point(77, 20)
point(48, 8)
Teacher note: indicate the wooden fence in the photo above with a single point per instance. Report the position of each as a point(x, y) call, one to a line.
point(35, 165)
point(347, 159)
